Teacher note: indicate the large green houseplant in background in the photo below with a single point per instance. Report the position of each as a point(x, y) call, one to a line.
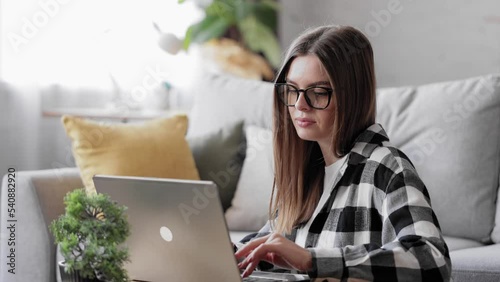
point(250, 22)
point(90, 234)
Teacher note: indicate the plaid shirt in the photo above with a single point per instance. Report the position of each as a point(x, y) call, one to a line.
point(378, 223)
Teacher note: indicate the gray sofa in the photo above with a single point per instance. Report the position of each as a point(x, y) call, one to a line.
point(450, 130)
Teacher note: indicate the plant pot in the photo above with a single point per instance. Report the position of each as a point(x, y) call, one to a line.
point(73, 276)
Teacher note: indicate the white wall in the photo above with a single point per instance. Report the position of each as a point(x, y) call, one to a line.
point(419, 42)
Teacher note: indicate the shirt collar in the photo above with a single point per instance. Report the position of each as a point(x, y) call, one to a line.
point(366, 142)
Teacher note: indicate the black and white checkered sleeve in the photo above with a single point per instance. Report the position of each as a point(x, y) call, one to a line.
point(412, 246)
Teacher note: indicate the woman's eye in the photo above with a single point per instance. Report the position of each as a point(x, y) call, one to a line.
point(320, 91)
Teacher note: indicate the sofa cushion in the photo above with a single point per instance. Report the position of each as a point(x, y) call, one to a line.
point(222, 100)
point(155, 148)
point(219, 158)
point(250, 205)
point(451, 132)
point(476, 264)
point(39, 200)
point(455, 243)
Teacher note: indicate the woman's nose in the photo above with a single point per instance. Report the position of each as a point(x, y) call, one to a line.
point(301, 103)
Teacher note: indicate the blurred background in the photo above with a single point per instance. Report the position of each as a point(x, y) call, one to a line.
point(124, 57)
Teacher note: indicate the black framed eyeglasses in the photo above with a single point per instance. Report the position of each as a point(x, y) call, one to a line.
point(317, 97)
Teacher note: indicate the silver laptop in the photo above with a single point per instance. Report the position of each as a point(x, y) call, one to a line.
point(178, 231)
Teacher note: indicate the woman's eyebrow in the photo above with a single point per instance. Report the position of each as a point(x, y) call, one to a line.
point(322, 82)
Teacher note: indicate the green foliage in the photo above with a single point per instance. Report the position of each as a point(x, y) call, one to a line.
point(259, 38)
point(90, 233)
point(210, 27)
point(255, 20)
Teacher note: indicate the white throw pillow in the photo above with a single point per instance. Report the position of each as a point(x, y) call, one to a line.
point(451, 133)
point(249, 208)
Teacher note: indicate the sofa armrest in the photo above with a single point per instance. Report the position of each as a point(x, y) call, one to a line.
point(38, 200)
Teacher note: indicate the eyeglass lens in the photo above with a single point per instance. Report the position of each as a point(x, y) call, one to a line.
point(316, 97)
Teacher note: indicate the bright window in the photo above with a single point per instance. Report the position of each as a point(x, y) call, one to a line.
point(76, 42)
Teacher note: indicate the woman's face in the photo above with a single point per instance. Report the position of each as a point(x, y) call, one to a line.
point(311, 124)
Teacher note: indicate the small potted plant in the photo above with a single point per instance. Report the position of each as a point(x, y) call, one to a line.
point(89, 235)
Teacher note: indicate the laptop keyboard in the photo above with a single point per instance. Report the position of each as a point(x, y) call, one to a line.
point(259, 279)
point(274, 276)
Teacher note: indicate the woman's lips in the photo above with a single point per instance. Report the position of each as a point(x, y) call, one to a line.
point(304, 122)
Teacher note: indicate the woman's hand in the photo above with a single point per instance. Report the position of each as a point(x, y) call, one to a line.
point(276, 249)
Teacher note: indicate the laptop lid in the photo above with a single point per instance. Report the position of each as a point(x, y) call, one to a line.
point(178, 230)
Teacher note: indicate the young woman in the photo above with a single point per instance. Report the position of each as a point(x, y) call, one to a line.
point(346, 203)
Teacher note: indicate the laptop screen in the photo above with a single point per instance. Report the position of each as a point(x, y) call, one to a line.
point(178, 229)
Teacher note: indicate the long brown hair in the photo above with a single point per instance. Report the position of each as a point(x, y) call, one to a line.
point(347, 57)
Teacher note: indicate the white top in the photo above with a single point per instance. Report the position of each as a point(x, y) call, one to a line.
point(331, 173)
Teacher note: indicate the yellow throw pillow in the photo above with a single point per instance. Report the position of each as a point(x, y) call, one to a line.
point(155, 148)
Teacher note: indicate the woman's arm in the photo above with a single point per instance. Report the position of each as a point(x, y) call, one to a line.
point(413, 248)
